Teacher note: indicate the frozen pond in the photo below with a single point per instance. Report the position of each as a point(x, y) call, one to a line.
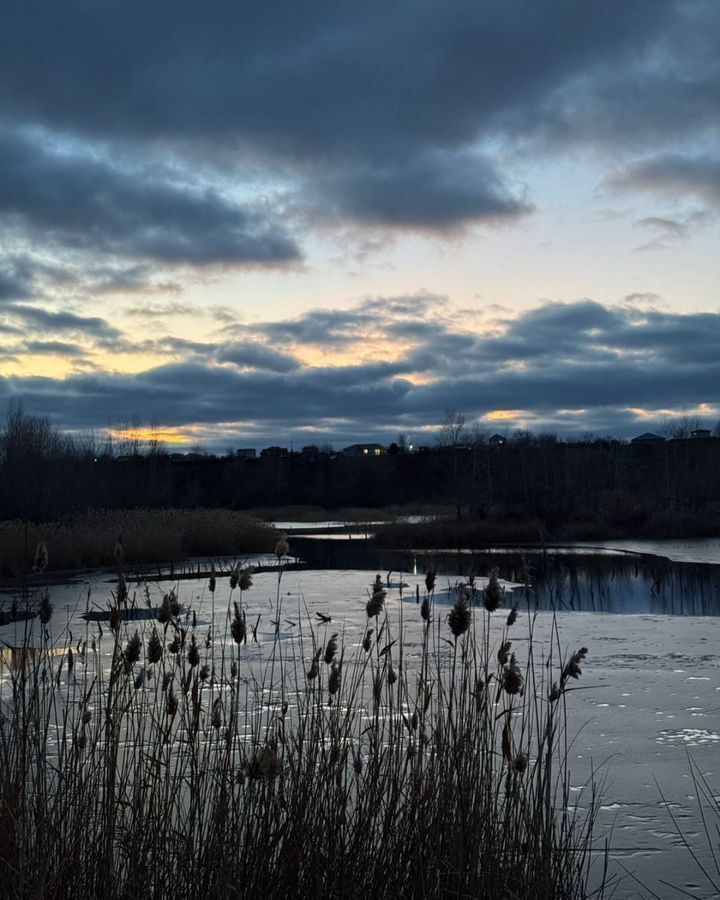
point(650, 692)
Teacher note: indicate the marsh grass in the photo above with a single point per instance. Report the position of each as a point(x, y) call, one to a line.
point(167, 761)
point(149, 536)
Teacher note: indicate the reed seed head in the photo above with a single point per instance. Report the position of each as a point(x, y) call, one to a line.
point(154, 648)
point(193, 654)
point(282, 547)
point(512, 677)
point(375, 604)
point(334, 678)
point(132, 649)
point(430, 577)
point(331, 649)
point(512, 616)
point(45, 609)
point(237, 628)
point(425, 609)
point(119, 551)
point(40, 562)
point(234, 578)
point(245, 579)
point(504, 652)
point(212, 579)
point(493, 594)
point(367, 642)
point(460, 616)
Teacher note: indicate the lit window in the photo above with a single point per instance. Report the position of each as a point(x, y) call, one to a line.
point(365, 451)
point(378, 451)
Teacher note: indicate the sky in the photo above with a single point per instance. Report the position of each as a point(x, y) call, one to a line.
point(241, 224)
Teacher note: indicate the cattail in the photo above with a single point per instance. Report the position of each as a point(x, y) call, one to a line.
point(45, 609)
point(81, 741)
point(70, 660)
point(234, 577)
point(139, 679)
point(460, 616)
point(520, 763)
point(204, 672)
point(512, 616)
point(166, 679)
point(572, 667)
point(331, 650)
point(375, 604)
point(154, 648)
point(41, 560)
point(211, 580)
point(237, 628)
point(430, 577)
point(312, 672)
point(193, 654)
point(334, 677)
point(282, 547)
point(132, 649)
point(245, 579)
point(554, 693)
point(233, 669)
point(425, 609)
point(367, 642)
point(174, 645)
point(86, 716)
point(122, 589)
point(216, 718)
point(266, 764)
point(377, 585)
point(119, 551)
point(391, 675)
point(171, 705)
point(115, 619)
point(512, 677)
point(504, 652)
point(493, 592)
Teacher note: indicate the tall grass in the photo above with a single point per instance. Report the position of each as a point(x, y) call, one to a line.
point(185, 762)
point(149, 535)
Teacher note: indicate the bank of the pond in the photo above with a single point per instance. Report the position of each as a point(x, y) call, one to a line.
point(146, 535)
point(446, 531)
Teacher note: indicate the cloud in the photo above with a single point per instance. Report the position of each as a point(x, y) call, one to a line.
point(436, 191)
point(673, 175)
point(50, 322)
point(385, 113)
point(571, 367)
point(257, 356)
point(77, 201)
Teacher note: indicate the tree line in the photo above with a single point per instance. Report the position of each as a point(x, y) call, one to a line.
point(46, 475)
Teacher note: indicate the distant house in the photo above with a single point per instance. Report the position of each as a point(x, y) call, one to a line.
point(647, 438)
point(497, 440)
point(364, 450)
point(701, 433)
point(274, 452)
point(246, 453)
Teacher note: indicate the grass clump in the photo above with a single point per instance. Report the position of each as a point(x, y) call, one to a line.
point(423, 756)
point(148, 536)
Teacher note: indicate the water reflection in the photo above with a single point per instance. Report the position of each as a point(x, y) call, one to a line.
point(565, 579)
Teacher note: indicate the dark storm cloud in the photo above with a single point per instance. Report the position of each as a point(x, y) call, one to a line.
point(573, 367)
point(75, 201)
point(372, 111)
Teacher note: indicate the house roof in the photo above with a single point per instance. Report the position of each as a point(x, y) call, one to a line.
point(648, 436)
